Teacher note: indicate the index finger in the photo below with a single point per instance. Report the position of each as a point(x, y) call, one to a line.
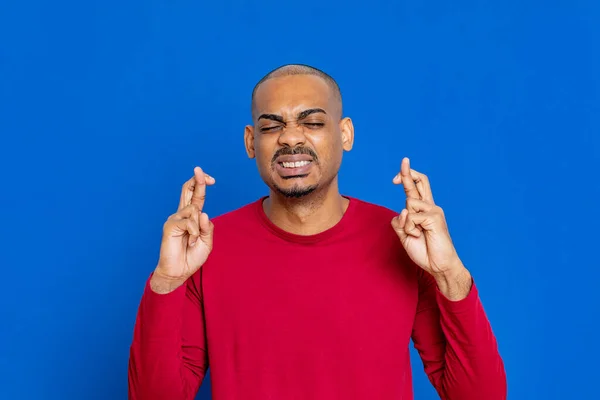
point(194, 190)
point(406, 179)
point(422, 183)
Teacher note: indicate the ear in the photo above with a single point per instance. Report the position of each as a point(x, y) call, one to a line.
point(347, 129)
point(249, 140)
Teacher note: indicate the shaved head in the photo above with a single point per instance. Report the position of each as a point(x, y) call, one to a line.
point(300, 69)
point(297, 119)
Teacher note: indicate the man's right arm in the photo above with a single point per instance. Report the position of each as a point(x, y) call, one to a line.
point(168, 357)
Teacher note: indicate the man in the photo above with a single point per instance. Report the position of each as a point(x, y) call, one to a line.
point(306, 293)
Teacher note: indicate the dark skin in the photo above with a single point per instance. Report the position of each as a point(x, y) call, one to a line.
point(300, 111)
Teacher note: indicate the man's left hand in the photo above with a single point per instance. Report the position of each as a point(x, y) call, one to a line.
point(422, 229)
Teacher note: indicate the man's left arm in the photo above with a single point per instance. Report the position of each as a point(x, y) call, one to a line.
point(451, 330)
point(455, 340)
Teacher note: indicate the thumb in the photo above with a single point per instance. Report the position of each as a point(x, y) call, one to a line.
point(398, 223)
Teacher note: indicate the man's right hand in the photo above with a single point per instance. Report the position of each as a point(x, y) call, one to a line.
point(187, 237)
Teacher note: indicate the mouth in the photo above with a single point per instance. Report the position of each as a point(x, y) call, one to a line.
point(297, 166)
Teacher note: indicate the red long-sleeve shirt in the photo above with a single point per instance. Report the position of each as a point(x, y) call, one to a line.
point(328, 316)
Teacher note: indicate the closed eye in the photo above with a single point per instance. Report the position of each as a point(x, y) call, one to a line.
point(270, 128)
point(314, 124)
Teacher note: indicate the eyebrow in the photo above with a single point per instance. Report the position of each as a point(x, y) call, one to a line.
point(301, 115)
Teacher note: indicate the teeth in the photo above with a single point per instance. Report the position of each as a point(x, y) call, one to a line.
point(296, 164)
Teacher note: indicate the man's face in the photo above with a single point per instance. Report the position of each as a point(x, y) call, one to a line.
point(298, 135)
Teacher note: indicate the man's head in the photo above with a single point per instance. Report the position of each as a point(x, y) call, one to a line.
point(298, 133)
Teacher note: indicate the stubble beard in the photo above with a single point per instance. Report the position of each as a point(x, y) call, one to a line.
point(296, 191)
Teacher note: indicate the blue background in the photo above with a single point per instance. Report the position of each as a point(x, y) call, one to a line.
point(106, 106)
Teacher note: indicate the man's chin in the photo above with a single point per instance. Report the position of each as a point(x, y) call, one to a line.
point(295, 191)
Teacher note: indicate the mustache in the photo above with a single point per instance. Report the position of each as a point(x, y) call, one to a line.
point(288, 151)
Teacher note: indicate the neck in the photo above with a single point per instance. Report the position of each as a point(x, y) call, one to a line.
point(308, 215)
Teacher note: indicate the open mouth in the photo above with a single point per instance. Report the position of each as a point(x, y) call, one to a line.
point(293, 169)
point(295, 164)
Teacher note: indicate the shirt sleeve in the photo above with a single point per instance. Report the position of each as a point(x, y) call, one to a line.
point(457, 346)
point(168, 357)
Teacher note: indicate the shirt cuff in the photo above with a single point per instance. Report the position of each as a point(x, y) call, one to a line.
point(458, 306)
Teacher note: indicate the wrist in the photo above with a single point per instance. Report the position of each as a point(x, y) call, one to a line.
point(455, 283)
point(163, 284)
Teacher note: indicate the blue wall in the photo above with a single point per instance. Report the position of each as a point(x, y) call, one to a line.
point(106, 106)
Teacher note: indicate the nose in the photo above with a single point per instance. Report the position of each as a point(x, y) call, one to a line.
point(292, 135)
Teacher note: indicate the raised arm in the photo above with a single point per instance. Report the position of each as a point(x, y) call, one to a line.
point(168, 357)
point(451, 331)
